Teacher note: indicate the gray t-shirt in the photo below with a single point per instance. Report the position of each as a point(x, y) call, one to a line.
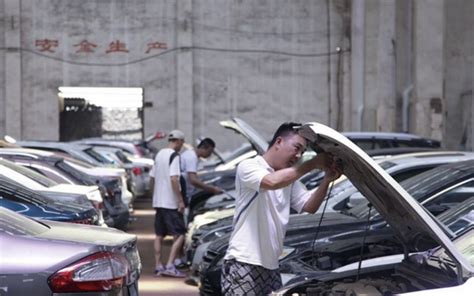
point(189, 164)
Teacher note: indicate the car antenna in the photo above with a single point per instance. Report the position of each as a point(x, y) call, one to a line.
point(363, 241)
point(319, 225)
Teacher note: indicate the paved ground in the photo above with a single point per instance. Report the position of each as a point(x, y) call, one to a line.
point(148, 284)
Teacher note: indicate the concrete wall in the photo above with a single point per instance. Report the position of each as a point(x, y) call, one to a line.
point(265, 61)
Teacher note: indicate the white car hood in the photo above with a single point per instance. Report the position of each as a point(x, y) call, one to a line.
point(405, 215)
point(239, 126)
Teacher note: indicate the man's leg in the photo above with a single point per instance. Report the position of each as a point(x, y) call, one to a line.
point(175, 248)
point(157, 245)
point(160, 231)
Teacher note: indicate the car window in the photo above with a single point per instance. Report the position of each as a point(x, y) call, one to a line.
point(406, 174)
point(451, 197)
point(364, 144)
point(16, 224)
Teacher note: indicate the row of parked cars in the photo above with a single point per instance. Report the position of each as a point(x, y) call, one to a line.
point(400, 220)
point(63, 209)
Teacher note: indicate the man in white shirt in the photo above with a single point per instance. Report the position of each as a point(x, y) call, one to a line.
point(266, 190)
point(168, 202)
point(189, 163)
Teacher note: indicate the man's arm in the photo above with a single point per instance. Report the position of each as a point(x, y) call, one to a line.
point(177, 191)
point(285, 177)
point(152, 185)
point(193, 178)
point(316, 199)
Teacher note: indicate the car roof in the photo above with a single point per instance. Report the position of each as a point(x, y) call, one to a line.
point(427, 157)
point(382, 135)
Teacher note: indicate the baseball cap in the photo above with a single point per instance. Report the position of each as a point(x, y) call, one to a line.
point(176, 134)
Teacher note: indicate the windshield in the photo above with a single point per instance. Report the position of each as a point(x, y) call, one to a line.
point(424, 186)
point(463, 244)
point(10, 191)
point(97, 156)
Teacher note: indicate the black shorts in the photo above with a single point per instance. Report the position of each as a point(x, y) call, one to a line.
point(169, 222)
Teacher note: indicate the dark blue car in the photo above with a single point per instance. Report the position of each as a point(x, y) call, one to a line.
point(24, 201)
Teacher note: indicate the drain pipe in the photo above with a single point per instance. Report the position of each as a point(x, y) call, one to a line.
point(405, 100)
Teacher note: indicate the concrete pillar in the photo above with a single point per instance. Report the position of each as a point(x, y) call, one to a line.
point(386, 98)
point(13, 99)
point(357, 62)
point(459, 74)
point(185, 100)
point(428, 106)
point(404, 62)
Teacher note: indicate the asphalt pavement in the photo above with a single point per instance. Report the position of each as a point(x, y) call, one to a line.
point(149, 284)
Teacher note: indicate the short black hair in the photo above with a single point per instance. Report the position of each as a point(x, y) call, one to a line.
point(284, 130)
point(207, 143)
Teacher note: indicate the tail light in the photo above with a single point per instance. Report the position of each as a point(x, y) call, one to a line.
point(103, 271)
point(137, 171)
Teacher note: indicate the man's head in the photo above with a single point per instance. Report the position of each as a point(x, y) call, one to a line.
point(286, 147)
point(205, 148)
point(176, 139)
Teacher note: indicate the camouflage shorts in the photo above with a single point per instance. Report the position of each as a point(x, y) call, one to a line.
point(245, 279)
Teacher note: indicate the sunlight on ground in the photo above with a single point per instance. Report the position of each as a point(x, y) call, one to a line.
point(164, 285)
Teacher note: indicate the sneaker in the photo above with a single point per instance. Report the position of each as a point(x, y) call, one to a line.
point(159, 270)
point(173, 272)
point(180, 264)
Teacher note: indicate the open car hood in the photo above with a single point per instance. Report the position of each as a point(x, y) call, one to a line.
point(239, 126)
point(405, 215)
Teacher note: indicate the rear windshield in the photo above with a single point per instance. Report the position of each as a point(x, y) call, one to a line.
point(30, 174)
point(16, 224)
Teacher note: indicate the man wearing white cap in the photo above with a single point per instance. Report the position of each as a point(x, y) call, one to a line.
point(168, 202)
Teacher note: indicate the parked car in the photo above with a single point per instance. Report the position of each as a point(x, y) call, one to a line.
point(59, 167)
point(54, 258)
point(138, 169)
point(392, 202)
point(19, 198)
point(86, 154)
point(385, 140)
point(138, 148)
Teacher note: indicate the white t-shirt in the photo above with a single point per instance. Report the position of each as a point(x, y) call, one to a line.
point(189, 164)
point(163, 194)
point(261, 216)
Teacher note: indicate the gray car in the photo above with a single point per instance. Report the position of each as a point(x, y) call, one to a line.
point(54, 258)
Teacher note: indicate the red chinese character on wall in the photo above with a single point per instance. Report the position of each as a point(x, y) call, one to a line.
point(117, 46)
point(85, 46)
point(46, 44)
point(156, 45)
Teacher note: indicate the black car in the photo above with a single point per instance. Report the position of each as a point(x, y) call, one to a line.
point(339, 237)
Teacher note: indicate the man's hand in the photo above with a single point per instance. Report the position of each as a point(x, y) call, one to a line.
point(181, 207)
point(216, 190)
point(333, 171)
